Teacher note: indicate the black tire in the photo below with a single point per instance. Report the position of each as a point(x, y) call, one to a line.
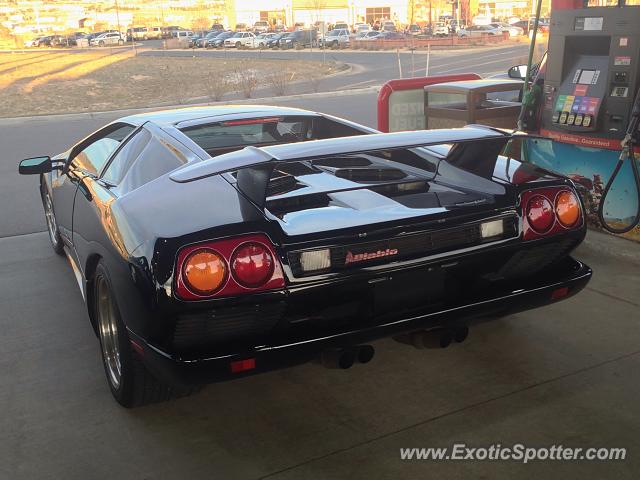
point(238, 45)
point(120, 42)
point(136, 386)
point(101, 43)
point(52, 225)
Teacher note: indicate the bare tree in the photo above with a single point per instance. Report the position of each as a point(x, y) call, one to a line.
point(172, 81)
point(217, 85)
point(280, 81)
point(245, 79)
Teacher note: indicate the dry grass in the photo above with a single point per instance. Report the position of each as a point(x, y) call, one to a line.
point(44, 83)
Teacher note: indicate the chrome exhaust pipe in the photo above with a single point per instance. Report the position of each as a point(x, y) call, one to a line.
point(460, 334)
point(365, 353)
point(338, 358)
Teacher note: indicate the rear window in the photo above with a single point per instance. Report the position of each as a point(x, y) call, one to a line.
point(222, 137)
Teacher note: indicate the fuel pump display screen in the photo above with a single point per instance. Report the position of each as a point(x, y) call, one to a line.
point(588, 77)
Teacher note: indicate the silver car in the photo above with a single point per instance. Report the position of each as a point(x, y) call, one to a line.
point(108, 38)
point(478, 31)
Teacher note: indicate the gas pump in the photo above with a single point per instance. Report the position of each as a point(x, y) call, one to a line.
point(589, 82)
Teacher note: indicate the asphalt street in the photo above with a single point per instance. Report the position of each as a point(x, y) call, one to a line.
point(376, 68)
point(565, 374)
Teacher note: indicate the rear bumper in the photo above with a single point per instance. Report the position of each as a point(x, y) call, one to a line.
point(530, 293)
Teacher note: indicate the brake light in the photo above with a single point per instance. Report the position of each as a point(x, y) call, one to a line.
point(232, 266)
point(540, 214)
point(567, 208)
point(252, 264)
point(548, 211)
point(251, 121)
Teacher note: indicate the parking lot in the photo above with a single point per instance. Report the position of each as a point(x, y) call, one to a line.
point(565, 374)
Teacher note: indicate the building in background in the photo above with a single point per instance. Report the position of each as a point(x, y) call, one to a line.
point(28, 17)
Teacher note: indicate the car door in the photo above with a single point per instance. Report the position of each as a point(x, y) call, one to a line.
point(86, 159)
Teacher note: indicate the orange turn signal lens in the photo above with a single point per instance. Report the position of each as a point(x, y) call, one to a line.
point(204, 271)
point(567, 208)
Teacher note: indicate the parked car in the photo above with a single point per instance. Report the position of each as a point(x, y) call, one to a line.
point(72, 39)
point(389, 26)
point(240, 40)
point(341, 26)
point(137, 33)
point(34, 42)
point(154, 33)
point(479, 30)
point(299, 39)
point(441, 30)
point(202, 41)
point(169, 32)
point(371, 35)
point(107, 39)
point(261, 27)
point(200, 260)
point(262, 40)
point(512, 30)
point(454, 27)
point(183, 36)
point(527, 26)
point(414, 30)
point(241, 27)
point(336, 38)
point(217, 27)
point(274, 42)
point(361, 27)
point(218, 41)
point(390, 35)
point(60, 41)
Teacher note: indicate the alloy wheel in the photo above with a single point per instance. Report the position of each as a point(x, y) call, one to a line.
point(108, 329)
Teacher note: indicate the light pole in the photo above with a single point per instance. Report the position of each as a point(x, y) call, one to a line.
point(118, 16)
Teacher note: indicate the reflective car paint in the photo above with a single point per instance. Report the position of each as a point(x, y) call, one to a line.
point(138, 236)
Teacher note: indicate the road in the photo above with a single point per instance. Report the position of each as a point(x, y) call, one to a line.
point(565, 374)
point(376, 68)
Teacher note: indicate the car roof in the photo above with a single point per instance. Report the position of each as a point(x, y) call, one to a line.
point(197, 115)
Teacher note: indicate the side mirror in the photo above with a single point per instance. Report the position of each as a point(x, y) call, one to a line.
point(519, 72)
point(35, 166)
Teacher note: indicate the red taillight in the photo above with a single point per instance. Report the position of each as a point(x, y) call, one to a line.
point(549, 211)
point(540, 213)
point(252, 264)
point(201, 269)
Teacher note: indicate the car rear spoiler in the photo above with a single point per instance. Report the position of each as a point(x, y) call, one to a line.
point(254, 165)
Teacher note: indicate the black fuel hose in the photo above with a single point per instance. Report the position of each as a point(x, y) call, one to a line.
point(628, 146)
